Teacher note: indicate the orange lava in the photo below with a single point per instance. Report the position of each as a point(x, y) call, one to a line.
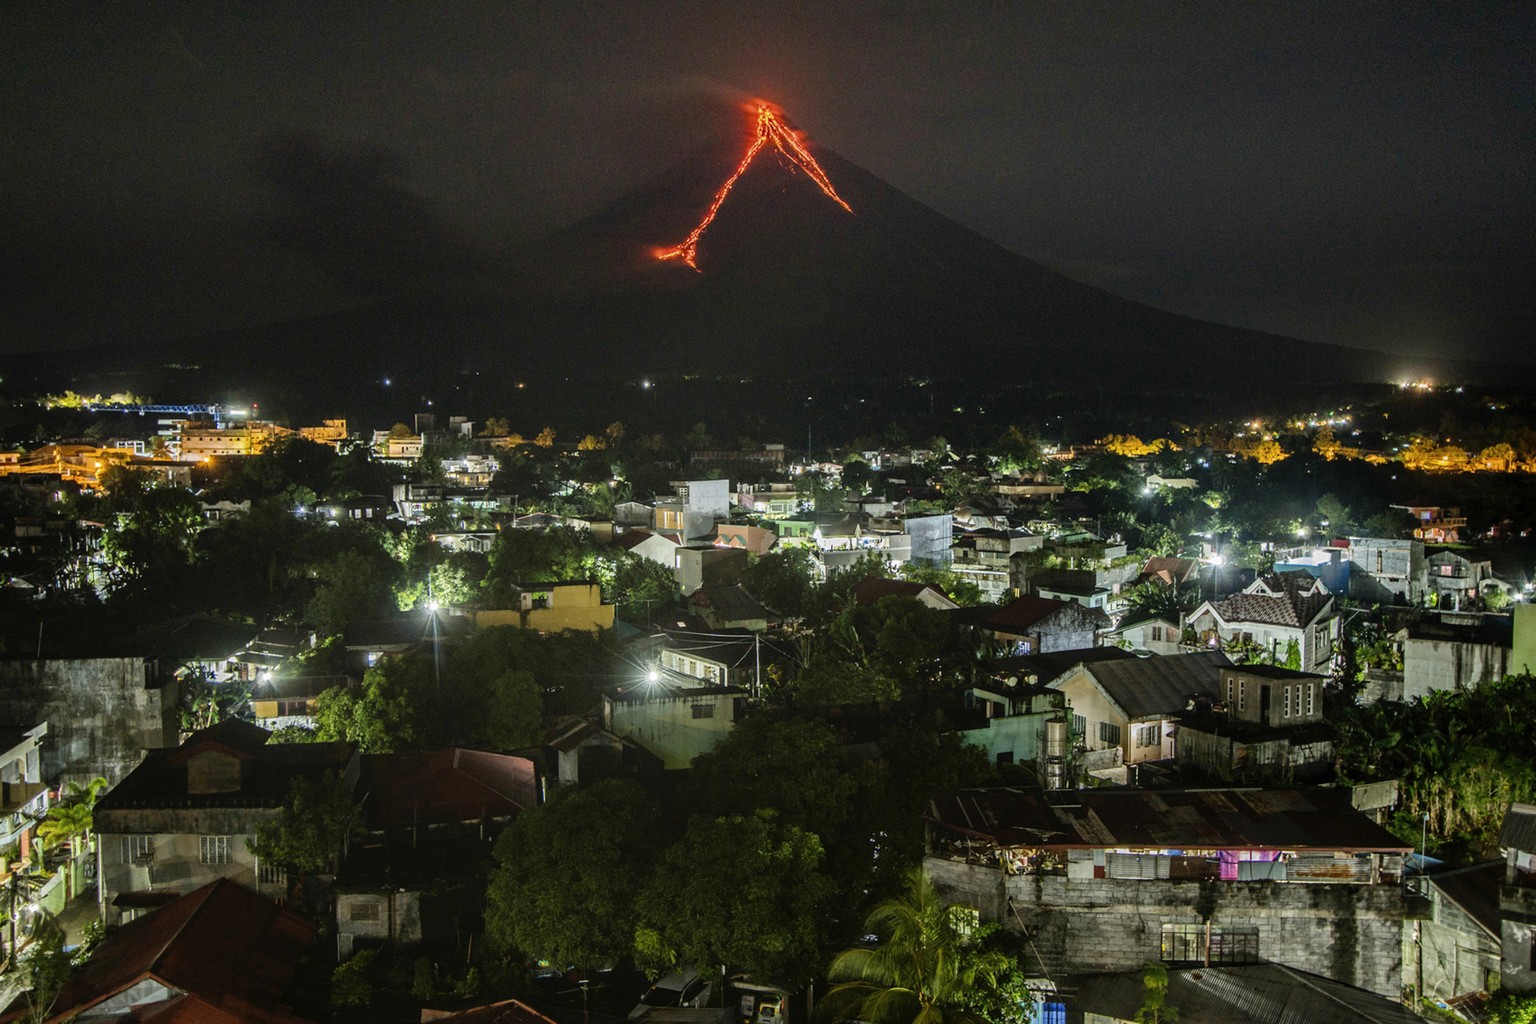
point(769, 130)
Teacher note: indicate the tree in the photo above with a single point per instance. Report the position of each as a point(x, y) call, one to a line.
point(567, 872)
point(512, 713)
point(353, 586)
point(745, 891)
point(311, 834)
point(924, 970)
point(546, 438)
point(64, 822)
point(352, 981)
point(1154, 1005)
point(388, 712)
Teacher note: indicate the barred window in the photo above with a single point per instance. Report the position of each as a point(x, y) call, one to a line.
point(1079, 725)
point(703, 711)
point(1109, 733)
point(215, 850)
point(1311, 694)
point(1185, 943)
point(1287, 690)
point(137, 849)
point(1149, 735)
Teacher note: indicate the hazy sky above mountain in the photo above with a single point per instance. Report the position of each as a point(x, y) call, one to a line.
point(1358, 173)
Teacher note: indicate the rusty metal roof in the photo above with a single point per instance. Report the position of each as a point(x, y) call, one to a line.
point(1199, 819)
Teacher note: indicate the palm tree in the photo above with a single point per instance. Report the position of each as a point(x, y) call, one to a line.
point(64, 822)
point(924, 970)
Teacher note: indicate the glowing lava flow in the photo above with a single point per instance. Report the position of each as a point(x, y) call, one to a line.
point(769, 130)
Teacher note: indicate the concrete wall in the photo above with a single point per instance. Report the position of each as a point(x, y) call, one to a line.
point(376, 917)
point(1450, 665)
point(1351, 933)
point(177, 866)
point(667, 727)
point(102, 713)
point(1517, 913)
point(1448, 954)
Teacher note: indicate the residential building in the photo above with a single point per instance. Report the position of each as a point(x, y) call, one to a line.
point(553, 608)
point(430, 819)
point(673, 718)
point(1147, 631)
point(730, 606)
point(704, 565)
point(844, 543)
point(1130, 708)
point(1455, 581)
point(102, 712)
point(1451, 954)
point(219, 953)
point(1387, 570)
point(185, 817)
point(1040, 625)
point(24, 795)
point(1455, 651)
point(1107, 879)
point(282, 701)
point(1434, 524)
point(755, 539)
point(1273, 613)
point(873, 589)
point(1517, 901)
point(693, 509)
point(985, 557)
point(644, 544)
point(1266, 725)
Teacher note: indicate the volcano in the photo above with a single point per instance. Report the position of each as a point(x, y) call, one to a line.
point(789, 284)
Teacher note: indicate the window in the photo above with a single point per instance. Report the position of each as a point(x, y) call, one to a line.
point(703, 711)
point(363, 911)
point(1287, 712)
point(1242, 695)
point(1185, 943)
point(1109, 733)
point(1229, 691)
point(215, 850)
point(1149, 735)
point(1157, 634)
point(1311, 695)
point(138, 849)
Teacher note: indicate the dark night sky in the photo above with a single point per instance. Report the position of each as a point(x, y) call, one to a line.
point(1358, 173)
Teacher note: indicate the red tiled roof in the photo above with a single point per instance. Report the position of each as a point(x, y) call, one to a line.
point(230, 948)
point(444, 786)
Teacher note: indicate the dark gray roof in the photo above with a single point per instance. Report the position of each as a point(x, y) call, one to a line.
point(1293, 609)
point(1250, 994)
point(1311, 818)
point(1161, 684)
point(1519, 831)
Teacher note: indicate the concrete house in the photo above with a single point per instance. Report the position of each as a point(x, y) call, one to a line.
point(1131, 707)
point(1387, 570)
point(184, 817)
point(553, 608)
point(673, 718)
point(1107, 879)
point(1266, 726)
point(986, 558)
point(1040, 625)
point(1147, 631)
point(1455, 581)
point(1452, 953)
point(1455, 651)
point(1517, 900)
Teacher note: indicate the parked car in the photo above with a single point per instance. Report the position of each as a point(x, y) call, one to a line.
point(680, 988)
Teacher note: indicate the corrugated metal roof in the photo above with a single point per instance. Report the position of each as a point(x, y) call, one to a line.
point(1161, 685)
point(1250, 994)
point(1519, 831)
point(1229, 819)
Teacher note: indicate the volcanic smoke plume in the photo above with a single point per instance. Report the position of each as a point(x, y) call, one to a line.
point(770, 129)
